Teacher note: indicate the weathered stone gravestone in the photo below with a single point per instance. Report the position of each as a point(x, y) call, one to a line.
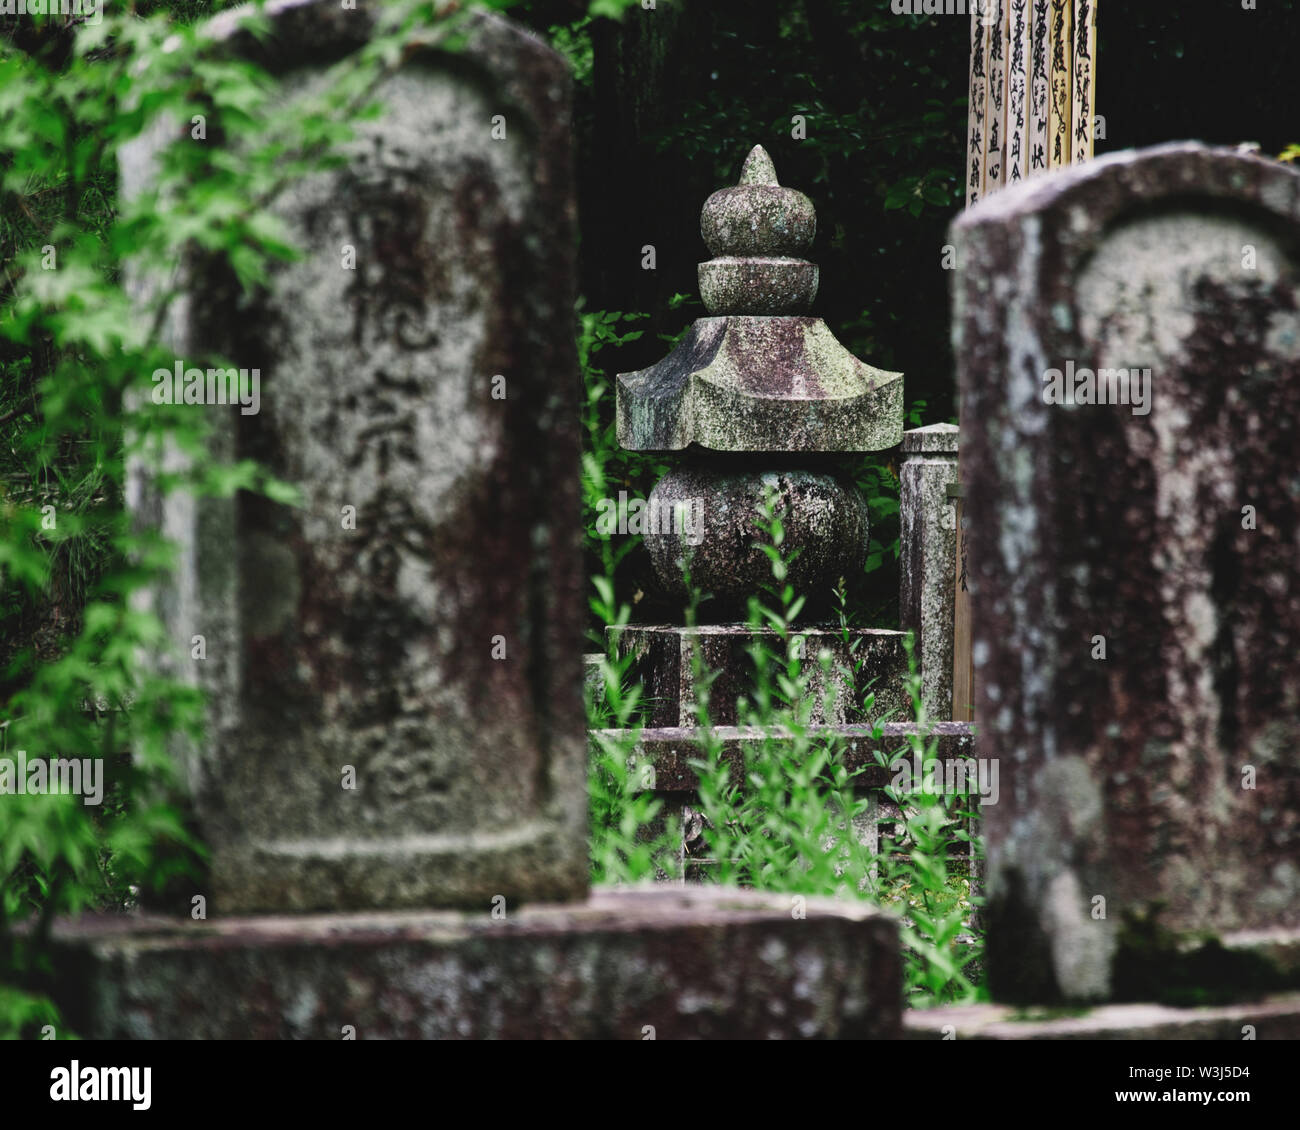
point(424, 598)
point(434, 647)
point(1128, 336)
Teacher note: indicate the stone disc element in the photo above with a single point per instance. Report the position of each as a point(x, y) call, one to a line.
point(732, 285)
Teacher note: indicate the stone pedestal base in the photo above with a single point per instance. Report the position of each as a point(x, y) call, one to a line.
point(663, 666)
point(667, 963)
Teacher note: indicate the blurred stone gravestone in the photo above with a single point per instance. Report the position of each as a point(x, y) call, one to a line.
point(423, 598)
point(413, 627)
point(1128, 342)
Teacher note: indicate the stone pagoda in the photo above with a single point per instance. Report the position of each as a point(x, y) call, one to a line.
point(758, 396)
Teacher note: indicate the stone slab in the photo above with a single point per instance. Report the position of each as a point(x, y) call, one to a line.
point(670, 749)
point(659, 761)
point(688, 963)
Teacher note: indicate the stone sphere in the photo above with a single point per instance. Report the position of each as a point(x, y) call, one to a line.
point(758, 219)
point(708, 519)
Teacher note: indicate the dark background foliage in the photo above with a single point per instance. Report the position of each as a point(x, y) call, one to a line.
point(672, 100)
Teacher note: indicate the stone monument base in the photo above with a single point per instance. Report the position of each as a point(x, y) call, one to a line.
point(665, 963)
point(662, 655)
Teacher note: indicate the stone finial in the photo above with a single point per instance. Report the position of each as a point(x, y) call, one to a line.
point(758, 216)
point(756, 231)
point(760, 375)
point(758, 168)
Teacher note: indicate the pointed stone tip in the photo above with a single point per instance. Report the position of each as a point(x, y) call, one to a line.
point(758, 168)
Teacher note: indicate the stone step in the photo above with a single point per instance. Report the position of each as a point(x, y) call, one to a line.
point(670, 749)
